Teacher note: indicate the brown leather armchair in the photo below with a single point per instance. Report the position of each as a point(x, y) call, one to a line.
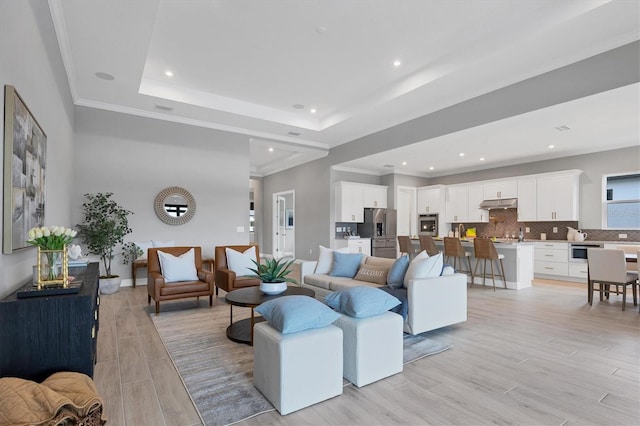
point(224, 277)
point(159, 290)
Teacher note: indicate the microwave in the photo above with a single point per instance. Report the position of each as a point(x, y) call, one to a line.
point(578, 251)
point(428, 224)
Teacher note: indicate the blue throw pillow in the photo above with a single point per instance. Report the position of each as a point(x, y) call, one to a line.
point(345, 264)
point(289, 314)
point(361, 302)
point(395, 278)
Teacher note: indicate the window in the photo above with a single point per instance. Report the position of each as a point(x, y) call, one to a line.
point(621, 201)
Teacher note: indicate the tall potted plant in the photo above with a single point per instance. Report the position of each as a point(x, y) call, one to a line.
point(105, 224)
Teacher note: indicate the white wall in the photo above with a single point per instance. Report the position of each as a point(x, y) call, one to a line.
point(30, 61)
point(136, 158)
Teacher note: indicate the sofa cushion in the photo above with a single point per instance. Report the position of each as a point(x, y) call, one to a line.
point(340, 283)
point(319, 280)
point(345, 264)
point(289, 314)
point(361, 302)
point(423, 266)
point(372, 274)
point(325, 259)
point(395, 278)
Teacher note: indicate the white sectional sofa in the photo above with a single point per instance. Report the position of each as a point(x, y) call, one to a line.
point(432, 302)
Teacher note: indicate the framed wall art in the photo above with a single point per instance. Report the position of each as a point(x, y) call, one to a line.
point(25, 161)
point(288, 214)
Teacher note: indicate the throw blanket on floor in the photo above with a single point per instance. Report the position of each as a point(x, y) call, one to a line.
point(63, 398)
point(401, 295)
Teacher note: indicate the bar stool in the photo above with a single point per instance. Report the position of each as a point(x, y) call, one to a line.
point(453, 248)
point(484, 250)
point(405, 246)
point(427, 244)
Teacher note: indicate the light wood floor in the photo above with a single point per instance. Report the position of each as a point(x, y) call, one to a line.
point(539, 356)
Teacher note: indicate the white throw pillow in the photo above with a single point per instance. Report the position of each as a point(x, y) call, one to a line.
point(241, 262)
point(167, 243)
point(144, 246)
point(423, 266)
point(181, 268)
point(325, 259)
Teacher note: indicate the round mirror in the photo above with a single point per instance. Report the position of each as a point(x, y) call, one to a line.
point(175, 205)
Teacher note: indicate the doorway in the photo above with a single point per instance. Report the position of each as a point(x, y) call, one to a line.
point(284, 224)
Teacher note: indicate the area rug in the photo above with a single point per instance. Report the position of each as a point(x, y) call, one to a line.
point(218, 373)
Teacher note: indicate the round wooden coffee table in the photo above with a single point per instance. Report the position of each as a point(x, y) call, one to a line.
point(250, 297)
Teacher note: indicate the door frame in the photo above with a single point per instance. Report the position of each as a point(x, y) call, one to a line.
point(277, 253)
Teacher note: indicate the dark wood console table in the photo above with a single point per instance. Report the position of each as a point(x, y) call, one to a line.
point(45, 334)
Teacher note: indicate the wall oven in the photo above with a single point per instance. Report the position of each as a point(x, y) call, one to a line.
point(428, 224)
point(578, 251)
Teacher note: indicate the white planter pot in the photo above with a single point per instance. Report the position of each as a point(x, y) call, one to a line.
point(273, 288)
point(110, 285)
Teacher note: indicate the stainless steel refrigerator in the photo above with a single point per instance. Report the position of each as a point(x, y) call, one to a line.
point(380, 226)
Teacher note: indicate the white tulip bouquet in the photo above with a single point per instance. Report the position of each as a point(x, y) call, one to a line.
point(51, 238)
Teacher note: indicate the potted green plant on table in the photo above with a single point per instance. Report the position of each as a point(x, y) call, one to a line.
point(273, 274)
point(105, 224)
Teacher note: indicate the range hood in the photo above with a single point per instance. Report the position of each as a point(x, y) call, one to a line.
point(503, 203)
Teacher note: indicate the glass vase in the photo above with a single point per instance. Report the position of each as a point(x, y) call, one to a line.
point(53, 268)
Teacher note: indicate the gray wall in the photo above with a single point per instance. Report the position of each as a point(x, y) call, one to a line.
point(136, 158)
point(30, 61)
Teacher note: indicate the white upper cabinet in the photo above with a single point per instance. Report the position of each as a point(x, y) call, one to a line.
point(557, 197)
point(527, 204)
point(349, 202)
point(430, 199)
point(457, 203)
point(375, 196)
point(476, 196)
point(495, 190)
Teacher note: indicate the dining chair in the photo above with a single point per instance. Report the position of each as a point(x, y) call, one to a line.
point(606, 268)
point(404, 242)
point(453, 248)
point(428, 244)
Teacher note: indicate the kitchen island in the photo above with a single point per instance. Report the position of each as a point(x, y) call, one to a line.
point(518, 262)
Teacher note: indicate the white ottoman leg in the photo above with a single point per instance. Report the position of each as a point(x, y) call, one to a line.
point(372, 347)
point(297, 370)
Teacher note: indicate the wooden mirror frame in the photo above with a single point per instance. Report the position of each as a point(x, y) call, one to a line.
point(162, 214)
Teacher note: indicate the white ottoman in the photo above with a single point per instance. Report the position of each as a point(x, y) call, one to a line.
point(372, 347)
point(297, 370)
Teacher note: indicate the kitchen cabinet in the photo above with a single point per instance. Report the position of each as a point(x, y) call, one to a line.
point(375, 196)
point(457, 203)
point(475, 198)
point(527, 205)
point(551, 258)
point(355, 245)
point(349, 202)
point(506, 188)
point(430, 199)
point(557, 197)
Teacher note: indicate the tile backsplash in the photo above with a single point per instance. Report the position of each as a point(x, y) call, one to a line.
point(504, 222)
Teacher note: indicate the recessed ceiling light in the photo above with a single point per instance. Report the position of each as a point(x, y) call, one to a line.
point(164, 107)
point(313, 110)
point(168, 73)
point(481, 158)
point(461, 154)
point(104, 76)
point(298, 106)
point(397, 63)
point(292, 133)
point(270, 149)
point(404, 163)
point(431, 167)
point(551, 146)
